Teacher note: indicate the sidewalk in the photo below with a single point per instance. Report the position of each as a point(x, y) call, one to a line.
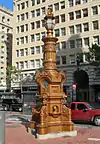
point(17, 134)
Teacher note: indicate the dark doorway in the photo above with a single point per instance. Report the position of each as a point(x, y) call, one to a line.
point(82, 85)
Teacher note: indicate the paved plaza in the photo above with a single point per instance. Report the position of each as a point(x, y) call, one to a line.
point(16, 134)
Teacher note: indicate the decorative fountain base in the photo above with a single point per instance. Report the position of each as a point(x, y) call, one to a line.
point(55, 135)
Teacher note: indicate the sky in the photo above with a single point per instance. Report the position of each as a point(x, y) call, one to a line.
point(7, 3)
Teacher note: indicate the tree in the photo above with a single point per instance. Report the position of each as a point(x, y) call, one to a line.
point(79, 58)
point(12, 74)
point(38, 70)
point(93, 56)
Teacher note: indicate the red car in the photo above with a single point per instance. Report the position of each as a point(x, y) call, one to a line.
point(82, 111)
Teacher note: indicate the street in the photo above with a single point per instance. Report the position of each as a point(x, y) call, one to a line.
point(16, 133)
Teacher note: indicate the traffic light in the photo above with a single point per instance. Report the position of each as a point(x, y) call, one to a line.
point(74, 86)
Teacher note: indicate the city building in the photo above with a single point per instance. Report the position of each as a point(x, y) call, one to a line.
point(5, 44)
point(77, 27)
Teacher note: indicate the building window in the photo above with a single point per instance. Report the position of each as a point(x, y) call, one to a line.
point(32, 50)
point(70, 3)
point(17, 41)
point(96, 40)
point(71, 29)
point(71, 16)
point(84, 1)
point(63, 31)
point(62, 17)
point(37, 24)
point(94, 10)
point(3, 19)
point(37, 62)
point(37, 49)
point(17, 65)
point(85, 12)
point(77, 2)
point(58, 60)
point(32, 25)
point(62, 4)
point(38, 1)
point(72, 59)
point(78, 14)
point(21, 52)
point(32, 64)
point(72, 44)
point(18, 7)
point(56, 19)
point(56, 6)
point(86, 42)
point(8, 30)
point(21, 65)
point(26, 64)
point(86, 27)
point(17, 53)
point(22, 5)
point(63, 58)
point(42, 34)
point(63, 45)
point(22, 40)
point(2, 57)
point(43, 0)
point(78, 28)
point(18, 18)
point(8, 21)
point(26, 4)
point(2, 38)
point(78, 43)
point(22, 28)
point(26, 51)
point(32, 13)
point(3, 28)
point(32, 38)
point(17, 29)
point(32, 2)
point(22, 17)
point(42, 48)
point(43, 23)
point(43, 11)
point(95, 25)
point(26, 27)
point(57, 46)
point(26, 15)
point(57, 33)
point(2, 49)
point(38, 37)
point(26, 39)
point(38, 12)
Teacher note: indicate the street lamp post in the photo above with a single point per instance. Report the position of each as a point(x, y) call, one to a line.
point(73, 90)
point(78, 69)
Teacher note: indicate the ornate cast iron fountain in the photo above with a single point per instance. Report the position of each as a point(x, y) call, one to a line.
point(54, 116)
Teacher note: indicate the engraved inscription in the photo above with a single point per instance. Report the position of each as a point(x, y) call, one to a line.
point(55, 89)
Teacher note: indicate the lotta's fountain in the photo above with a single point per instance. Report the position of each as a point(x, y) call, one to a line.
point(54, 118)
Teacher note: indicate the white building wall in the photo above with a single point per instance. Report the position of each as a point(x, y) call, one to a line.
point(5, 43)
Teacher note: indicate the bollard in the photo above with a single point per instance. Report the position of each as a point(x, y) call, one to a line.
point(2, 127)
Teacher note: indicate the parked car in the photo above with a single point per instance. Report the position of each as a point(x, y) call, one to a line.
point(82, 111)
point(11, 104)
